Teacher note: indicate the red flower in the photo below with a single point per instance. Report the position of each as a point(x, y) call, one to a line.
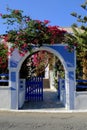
point(38, 21)
point(52, 41)
point(16, 11)
point(24, 45)
point(11, 50)
point(46, 21)
point(0, 60)
point(27, 19)
point(4, 65)
point(66, 47)
point(35, 41)
point(75, 44)
point(9, 53)
point(5, 46)
point(1, 14)
point(6, 38)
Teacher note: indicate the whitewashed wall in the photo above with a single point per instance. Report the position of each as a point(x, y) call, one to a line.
point(5, 99)
point(21, 98)
point(81, 100)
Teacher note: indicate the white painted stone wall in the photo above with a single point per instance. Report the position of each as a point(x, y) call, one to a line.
point(81, 100)
point(5, 99)
point(21, 98)
point(51, 73)
point(62, 91)
point(47, 72)
point(63, 97)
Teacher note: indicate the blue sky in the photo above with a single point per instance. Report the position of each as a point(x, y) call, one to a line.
point(56, 11)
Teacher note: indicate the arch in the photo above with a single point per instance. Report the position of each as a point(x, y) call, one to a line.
point(68, 61)
point(46, 48)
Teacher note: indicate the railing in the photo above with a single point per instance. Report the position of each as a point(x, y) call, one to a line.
point(4, 79)
point(81, 85)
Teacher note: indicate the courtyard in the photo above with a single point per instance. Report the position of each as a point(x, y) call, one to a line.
point(50, 102)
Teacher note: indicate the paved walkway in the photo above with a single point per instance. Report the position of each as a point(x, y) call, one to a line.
point(50, 101)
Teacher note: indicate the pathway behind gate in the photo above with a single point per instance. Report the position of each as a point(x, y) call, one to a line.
point(50, 101)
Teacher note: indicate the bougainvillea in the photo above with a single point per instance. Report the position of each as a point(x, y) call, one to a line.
point(40, 61)
point(23, 32)
point(3, 58)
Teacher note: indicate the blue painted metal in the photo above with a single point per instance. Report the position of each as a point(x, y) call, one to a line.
point(58, 90)
point(6, 80)
point(34, 89)
point(4, 75)
point(81, 80)
point(81, 85)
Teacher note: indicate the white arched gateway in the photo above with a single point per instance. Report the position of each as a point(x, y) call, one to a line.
point(68, 60)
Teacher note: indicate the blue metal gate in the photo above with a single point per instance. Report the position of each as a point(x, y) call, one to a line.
point(34, 89)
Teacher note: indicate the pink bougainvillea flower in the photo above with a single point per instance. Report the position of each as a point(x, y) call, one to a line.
point(66, 47)
point(27, 19)
point(16, 11)
point(21, 54)
point(52, 41)
point(46, 21)
point(36, 41)
point(75, 44)
point(11, 49)
point(0, 60)
point(5, 46)
point(38, 21)
point(6, 38)
point(4, 66)
point(9, 53)
point(1, 14)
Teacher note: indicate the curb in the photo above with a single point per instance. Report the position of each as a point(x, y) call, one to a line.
point(44, 111)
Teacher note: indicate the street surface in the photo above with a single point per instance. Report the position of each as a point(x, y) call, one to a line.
point(42, 121)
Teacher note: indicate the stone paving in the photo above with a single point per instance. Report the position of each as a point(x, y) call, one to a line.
point(50, 101)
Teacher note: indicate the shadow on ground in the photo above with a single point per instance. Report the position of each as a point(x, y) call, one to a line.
point(50, 101)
